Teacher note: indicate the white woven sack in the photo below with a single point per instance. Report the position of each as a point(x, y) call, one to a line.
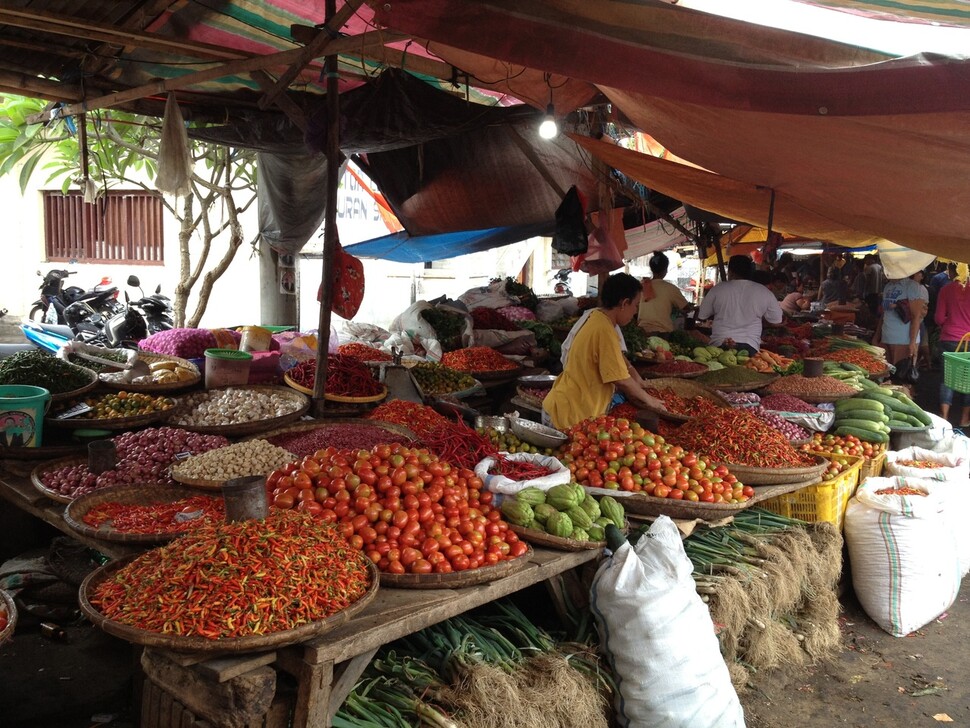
point(903, 551)
point(560, 474)
point(952, 467)
point(659, 638)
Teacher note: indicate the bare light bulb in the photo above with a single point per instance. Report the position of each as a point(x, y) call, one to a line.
point(549, 129)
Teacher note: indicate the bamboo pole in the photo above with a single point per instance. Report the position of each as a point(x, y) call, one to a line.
point(330, 222)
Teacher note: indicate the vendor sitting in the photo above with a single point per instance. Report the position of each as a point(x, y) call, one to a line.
point(594, 367)
point(738, 306)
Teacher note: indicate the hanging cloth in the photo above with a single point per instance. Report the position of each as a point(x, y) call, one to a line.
point(174, 174)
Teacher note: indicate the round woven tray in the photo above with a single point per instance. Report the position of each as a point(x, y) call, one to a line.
point(38, 472)
point(80, 391)
point(254, 643)
point(209, 484)
point(684, 388)
point(497, 374)
point(648, 505)
point(44, 452)
point(250, 428)
point(356, 400)
point(317, 424)
point(7, 605)
point(457, 579)
point(645, 372)
point(129, 495)
point(109, 423)
point(876, 376)
point(749, 387)
point(772, 476)
point(151, 358)
point(541, 538)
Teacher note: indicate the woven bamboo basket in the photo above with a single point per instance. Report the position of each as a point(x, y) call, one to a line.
point(748, 387)
point(458, 579)
point(772, 476)
point(240, 429)
point(38, 472)
point(684, 388)
point(541, 538)
point(253, 643)
point(109, 423)
point(7, 605)
point(499, 373)
point(647, 372)
point(80, 391)
point(129, 495)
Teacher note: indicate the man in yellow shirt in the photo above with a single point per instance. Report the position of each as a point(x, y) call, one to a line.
point(595, 366)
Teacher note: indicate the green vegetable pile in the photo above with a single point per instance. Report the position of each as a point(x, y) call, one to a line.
point(635, 337)
point(94, 366)
point(526, 295)
point(37, 369)
point(447, 326)
point(545, 337)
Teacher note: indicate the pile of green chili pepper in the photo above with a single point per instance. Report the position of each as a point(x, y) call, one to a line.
point(237, 579)
point(37, 369)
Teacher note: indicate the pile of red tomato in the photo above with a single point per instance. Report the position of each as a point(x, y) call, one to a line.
point(408, 511)
point(614, 453)
point(843, 445)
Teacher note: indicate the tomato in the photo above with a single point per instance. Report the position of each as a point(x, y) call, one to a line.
point(368, 534)
point(518, 549)
point(461, 563)
point(273, 479)
point(284, 501)
point(305, 495)
point(442, 567)
point(357, 542)
point(429, 546)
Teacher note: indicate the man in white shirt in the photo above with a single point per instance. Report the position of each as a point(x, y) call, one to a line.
point(738, 307)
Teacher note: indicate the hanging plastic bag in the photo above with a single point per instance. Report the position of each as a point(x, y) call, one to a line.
point(606, 244)
point(174, 172)
point(659, 637)
point(570, 236)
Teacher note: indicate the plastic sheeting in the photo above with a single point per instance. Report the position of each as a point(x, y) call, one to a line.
point(405, 248)
point(292, 198)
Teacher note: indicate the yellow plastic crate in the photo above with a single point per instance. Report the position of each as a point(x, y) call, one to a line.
point(872, 467)
point(825, 501)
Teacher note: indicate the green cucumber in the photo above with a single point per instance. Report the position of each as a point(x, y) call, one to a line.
point(862, 424)
point(867, 435)
point(890, 404)
point(859, 403)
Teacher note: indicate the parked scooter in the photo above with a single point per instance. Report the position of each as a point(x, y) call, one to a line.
point(156, 309)
point(54, 297)
point(123, 329)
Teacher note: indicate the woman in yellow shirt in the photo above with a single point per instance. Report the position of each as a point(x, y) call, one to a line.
point(594, 365)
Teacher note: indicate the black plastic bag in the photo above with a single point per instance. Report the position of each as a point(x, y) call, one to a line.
point(906, 371)
point(571, 236)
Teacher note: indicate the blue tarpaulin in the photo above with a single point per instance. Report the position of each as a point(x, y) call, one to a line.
point(405, 248)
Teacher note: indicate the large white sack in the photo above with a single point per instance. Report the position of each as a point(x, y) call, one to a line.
point(659, 638)
point(951, 466)
point(903, 551)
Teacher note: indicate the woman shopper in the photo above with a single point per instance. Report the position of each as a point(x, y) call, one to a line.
point(594, 367)
point(904, 305)
point(952, 315)
point(660, 298)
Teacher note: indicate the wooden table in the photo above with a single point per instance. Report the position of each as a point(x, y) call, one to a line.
point(327, 667)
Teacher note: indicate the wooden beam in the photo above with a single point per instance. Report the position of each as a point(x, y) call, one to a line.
point(73, 27)
point(60, 52)
point(41, 88)
point(105, 55)
point(246, 65)
point(287, 105)
point(313, 49)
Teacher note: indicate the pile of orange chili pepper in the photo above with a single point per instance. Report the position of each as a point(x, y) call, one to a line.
point(157, 517)
point(418, 418)
point(237, 579)
point(363, 352)
point(477, 359)
point(687, 406)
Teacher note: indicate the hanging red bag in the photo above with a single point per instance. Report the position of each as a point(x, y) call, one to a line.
point(348, 284)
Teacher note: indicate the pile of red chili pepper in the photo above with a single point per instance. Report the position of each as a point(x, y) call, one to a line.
point(625, 410)
point(346, 376)
point(418, 418)
point(477, 359)
point(157, 517)
point(489, 318)
point(458, 444)
point(677, 367)
point(517, 470)
point(688, 406)
point(901, 490)
point(739, 437)
point(363, 352)
point(343, 436)
point(229, 580)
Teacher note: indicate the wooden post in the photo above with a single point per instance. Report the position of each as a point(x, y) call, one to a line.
point(720, 258)
point(330, 222)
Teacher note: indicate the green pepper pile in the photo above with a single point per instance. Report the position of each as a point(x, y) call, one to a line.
point(37, 369)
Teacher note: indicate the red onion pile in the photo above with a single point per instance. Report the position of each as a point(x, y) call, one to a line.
point(787, 403)
point(788, 429)
point(143, 457)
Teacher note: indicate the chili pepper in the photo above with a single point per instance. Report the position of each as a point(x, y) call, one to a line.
point(519, 471)
point(741, 438)
point(156, 517)
point(677, 367)
point(459, 444)
point(477, 359)
point(346, 376)
point(418, 418)
point(363, 352)
point(688, 406)
point(237, 579)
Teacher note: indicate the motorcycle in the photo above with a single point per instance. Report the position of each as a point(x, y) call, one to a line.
point(54, 297)
point(156, 309)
